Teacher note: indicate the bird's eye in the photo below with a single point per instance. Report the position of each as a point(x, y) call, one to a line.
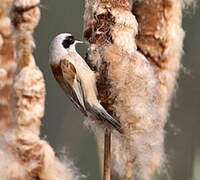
point(68, 41)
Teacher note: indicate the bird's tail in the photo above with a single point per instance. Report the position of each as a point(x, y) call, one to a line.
point(100, 113)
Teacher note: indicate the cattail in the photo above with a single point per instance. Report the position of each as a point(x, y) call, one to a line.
point(23, 154)
point(136, 51)
point(7, 63)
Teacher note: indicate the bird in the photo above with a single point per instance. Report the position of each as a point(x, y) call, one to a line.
point(77, 79)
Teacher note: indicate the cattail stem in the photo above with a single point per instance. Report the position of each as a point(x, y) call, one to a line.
point(107, 154)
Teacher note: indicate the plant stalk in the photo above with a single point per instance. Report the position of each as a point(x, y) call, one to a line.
point(107, 155)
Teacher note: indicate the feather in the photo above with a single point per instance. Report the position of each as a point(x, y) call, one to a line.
point(72, 84)
point(100, 113)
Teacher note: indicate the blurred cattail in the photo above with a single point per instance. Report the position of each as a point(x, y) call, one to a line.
point(7, 63)
point(23, 155)
point(136, 51)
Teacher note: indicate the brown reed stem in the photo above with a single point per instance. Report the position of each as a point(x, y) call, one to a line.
point(107, 155)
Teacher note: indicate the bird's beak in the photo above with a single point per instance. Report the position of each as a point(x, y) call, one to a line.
point(78, 42)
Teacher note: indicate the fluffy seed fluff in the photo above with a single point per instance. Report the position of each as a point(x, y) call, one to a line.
point(136, 49)
point(23, 154)
point(7, 63)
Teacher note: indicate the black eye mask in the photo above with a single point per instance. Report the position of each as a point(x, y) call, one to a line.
point(68, 41)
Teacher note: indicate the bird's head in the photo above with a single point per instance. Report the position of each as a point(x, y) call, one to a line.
point(62, 45)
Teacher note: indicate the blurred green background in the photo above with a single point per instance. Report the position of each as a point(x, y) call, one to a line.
point(63, 124)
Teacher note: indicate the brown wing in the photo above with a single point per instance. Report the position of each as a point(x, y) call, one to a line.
point(73, 84)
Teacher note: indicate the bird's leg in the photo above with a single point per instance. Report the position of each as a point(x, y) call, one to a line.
point(107, 155)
